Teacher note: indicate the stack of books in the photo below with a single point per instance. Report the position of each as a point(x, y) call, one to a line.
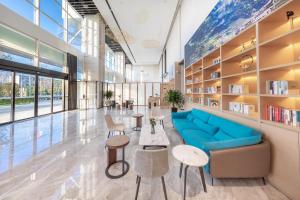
point(243, 108)
point(283, 115)
point(189, 90)
point(281, 87)
point(216, 60)
point(215, 75)
point(238, 89)
point(198, 90)
point(212, 89)
point(188, 81)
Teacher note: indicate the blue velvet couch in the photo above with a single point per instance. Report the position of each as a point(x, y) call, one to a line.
point(227, 143)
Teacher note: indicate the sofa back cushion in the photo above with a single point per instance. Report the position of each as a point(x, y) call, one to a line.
point(221, 136)
point(206, 127)
point(231, 128)
point(198, 114)
point(190, 117)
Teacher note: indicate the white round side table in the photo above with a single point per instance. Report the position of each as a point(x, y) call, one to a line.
point(190, 157)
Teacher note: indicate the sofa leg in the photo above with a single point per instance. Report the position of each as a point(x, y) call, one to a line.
point(263, 180)
point(212, 181)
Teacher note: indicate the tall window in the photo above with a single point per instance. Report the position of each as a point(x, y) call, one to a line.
point(6, 88)
point(55, 16)
point(44, 95)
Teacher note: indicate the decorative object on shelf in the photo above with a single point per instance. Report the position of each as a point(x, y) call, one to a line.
point(152, 123)
point(175, 98)
point(216, 60)
point(212, 102)
point(282, 115)
point(212, 89)
point(243, 108)
point(282, 87)
point(214, 75)
point(249, 44)
point(290, 17)
point(189, 91)
point(238, 89)
point(246, 62)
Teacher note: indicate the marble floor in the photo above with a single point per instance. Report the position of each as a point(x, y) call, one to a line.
point(62, 156)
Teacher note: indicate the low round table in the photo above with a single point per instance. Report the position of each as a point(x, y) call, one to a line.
point(139, 121)
point(190, 156)
point(112, 144)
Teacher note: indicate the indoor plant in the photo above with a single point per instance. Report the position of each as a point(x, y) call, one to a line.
point(175, 98)
point(108, 95)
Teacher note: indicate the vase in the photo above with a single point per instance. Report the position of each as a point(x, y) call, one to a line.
point(152, 129)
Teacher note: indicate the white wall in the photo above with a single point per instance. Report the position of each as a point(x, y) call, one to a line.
point(190, 16)
point(145, 73)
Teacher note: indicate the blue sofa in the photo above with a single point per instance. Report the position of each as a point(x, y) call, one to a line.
point(216, 135)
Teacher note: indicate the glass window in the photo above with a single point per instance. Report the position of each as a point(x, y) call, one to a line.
point(74, 21)
point(6, 88)
point(44, 95)
point(25, 90)
point(125, 91)
point(119, 93)
point(156, 89)
point(75, 40)
point(141, 93)
point(18, 57)
point(52, 58)
point(24, 8)
point(51, 26)
point(58, 95)
point(66, 94)
point(53, 8)
point(18, 41)
point(148, 92)
point(133, 93)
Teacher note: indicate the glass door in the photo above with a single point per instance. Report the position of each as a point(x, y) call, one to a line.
point(6, 90)
point(58, 95)
point(25, 94)
point(44, 95)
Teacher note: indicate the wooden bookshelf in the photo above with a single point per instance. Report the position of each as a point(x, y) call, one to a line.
point(266, 51)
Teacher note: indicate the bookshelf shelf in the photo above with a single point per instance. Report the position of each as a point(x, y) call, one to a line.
point(244, 69)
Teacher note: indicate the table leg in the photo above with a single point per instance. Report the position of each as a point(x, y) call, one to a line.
point(202, 178)
point(111, 156)
point(184, 189)
point(180, 172)
point(139, 122)
point(123, 165)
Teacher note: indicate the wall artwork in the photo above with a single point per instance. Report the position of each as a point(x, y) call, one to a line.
point(227, 19)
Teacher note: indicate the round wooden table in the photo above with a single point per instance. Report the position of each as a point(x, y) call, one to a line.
point(112, 144)
point(190, 156)
point(139, 121)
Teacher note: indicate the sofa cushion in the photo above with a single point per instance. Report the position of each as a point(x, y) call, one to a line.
point(204, 116)
point(221, 136)
point(190, 117)
point(206, 127)
point(231, 128)
point(196, 137)
point(181, 124)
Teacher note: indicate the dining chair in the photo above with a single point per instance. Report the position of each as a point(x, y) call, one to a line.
point(151, 164)
point(112, 126)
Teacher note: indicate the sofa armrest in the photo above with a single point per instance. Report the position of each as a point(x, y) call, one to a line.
point(180, 115)
point(243, 162)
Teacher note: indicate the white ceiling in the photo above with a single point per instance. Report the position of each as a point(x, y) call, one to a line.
point(145, 24)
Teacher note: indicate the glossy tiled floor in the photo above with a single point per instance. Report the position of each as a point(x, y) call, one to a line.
point(62, 156)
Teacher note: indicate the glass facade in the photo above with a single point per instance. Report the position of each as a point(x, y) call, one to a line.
point(25, 90)
point(114, 66)
point(44, 95)
point(17, 47)
point(6, 90)
point(55, 16)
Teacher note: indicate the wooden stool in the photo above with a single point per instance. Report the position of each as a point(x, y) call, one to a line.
point(112, 144)
point(139, 121)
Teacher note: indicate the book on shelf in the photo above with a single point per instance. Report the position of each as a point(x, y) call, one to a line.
point(281, 87)
point(238, 89)
point(243, 108)
point(216, 60)
point(189, 90)
point(212, 89)
point(188, 81)
point(198, 90)
point(199, 100)
point(214, 75)
point(282, 115)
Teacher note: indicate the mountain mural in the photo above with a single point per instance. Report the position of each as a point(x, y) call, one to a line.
point(227, 19)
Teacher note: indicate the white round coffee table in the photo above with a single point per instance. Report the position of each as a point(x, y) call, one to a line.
point(190, 156)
